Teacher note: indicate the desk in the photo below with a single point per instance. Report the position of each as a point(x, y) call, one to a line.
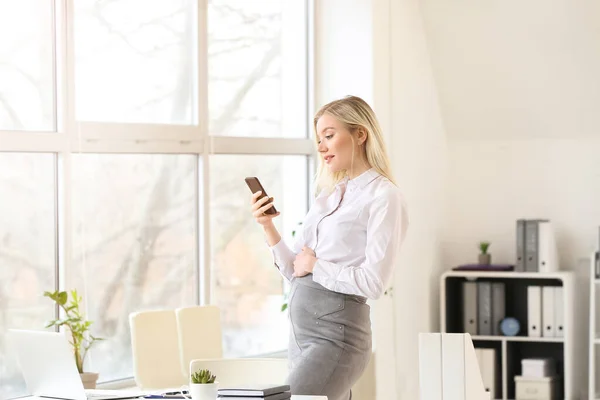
point(294, 397)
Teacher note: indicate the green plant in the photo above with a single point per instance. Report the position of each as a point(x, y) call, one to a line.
point(483, 247)
point(203, 376)
point(78, 325)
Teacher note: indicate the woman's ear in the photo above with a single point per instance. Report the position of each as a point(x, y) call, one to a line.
point(362, 135)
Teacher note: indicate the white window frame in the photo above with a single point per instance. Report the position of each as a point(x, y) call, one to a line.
point(74, 137)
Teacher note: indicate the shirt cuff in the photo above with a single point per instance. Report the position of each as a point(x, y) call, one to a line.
point(282, 257)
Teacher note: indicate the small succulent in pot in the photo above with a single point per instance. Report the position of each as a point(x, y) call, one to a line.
point(203, 376)
point(484, 257)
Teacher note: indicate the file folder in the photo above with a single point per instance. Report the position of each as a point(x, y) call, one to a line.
point(534, 311)
point(520, 264)
point(547, 251)
point(548, 311)
point(453, 367)
point(488, 373)
point(559, 311)
point(498, 306)
point(470, 307)
point(531, 246)
point(430, 365)
point(484, 308)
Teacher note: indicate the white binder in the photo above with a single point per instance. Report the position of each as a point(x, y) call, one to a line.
point(534, 311)
point(488, 370)
point(548, 329)
point(559, 312)
point(453, 367)
point(450, 372)
point(547, 251)
point(430, 365)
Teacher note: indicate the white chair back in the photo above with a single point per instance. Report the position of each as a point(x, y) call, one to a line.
point(200, 335)
point(155, 348)
point(233, 371)
point(448, 368)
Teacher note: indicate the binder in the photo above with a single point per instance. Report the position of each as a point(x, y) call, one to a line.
point(430, 365)
point(488, 374)
point(479, 356)
point(520, 264)
point(470, 307)
point(559, 312)
point(531, 246)
point(484, 308)
point(453, 367)
point(548, 311)
point(534, 311)
point(498, 306)
point(547, 251)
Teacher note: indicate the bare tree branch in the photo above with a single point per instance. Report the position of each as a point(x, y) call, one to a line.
point(11, 112)
point(225, 119)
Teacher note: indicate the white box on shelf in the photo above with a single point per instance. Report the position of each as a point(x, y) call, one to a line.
point(538, 367)
point(536, 388)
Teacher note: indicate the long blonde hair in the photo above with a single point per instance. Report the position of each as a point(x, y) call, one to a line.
point(355, 113)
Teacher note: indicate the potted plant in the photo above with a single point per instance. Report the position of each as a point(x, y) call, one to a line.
point(484, 257)
point(203, 385)
point(79, 327)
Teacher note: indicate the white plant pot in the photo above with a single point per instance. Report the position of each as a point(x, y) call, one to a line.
point(203, 391)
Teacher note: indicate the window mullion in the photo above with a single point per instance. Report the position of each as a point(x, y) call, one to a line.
point(204, 259)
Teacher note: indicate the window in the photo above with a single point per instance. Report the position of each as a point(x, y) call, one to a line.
point(26, 70)
point(134, 242)
point(134, 60)
point(126, 131)
point(246, 290)
point(27, 251)
point(257, 68)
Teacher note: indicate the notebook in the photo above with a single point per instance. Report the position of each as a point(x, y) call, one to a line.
point(277, 396)
point(252, 390)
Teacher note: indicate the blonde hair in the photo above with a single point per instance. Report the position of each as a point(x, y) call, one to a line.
point(355, 113)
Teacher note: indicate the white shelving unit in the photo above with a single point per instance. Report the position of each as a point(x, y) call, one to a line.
point(511, 349)
point(594, 336)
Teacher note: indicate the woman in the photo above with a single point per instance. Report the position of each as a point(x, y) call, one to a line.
point(345, 253)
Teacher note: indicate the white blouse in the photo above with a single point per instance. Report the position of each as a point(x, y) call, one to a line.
point(355, 231)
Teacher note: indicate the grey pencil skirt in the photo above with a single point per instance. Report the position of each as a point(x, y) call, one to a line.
point(330, 340)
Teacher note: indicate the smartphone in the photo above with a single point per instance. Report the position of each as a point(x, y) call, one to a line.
point(255, 186)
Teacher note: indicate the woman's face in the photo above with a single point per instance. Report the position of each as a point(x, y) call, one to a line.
point(335, 143)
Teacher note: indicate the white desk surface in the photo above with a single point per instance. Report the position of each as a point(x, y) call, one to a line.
point(294, 397)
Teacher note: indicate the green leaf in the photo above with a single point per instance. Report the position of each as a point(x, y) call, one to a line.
point(284, 307)
point(62, 298)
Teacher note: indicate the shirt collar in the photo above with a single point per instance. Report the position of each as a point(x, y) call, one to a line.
point(363, 179)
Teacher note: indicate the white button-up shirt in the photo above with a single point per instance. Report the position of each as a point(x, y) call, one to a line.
point(355, 231)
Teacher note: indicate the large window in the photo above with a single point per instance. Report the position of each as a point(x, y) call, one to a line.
point(26, 82)
point(27, 250)
point(126, 131)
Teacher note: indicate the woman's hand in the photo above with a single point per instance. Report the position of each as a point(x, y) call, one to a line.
point(305, 262)
point(259, 206)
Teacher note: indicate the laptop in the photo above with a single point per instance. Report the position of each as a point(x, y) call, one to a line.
point(48, 366)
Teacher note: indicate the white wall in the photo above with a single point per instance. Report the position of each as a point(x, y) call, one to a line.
point(418, 148)
point(343, 50)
